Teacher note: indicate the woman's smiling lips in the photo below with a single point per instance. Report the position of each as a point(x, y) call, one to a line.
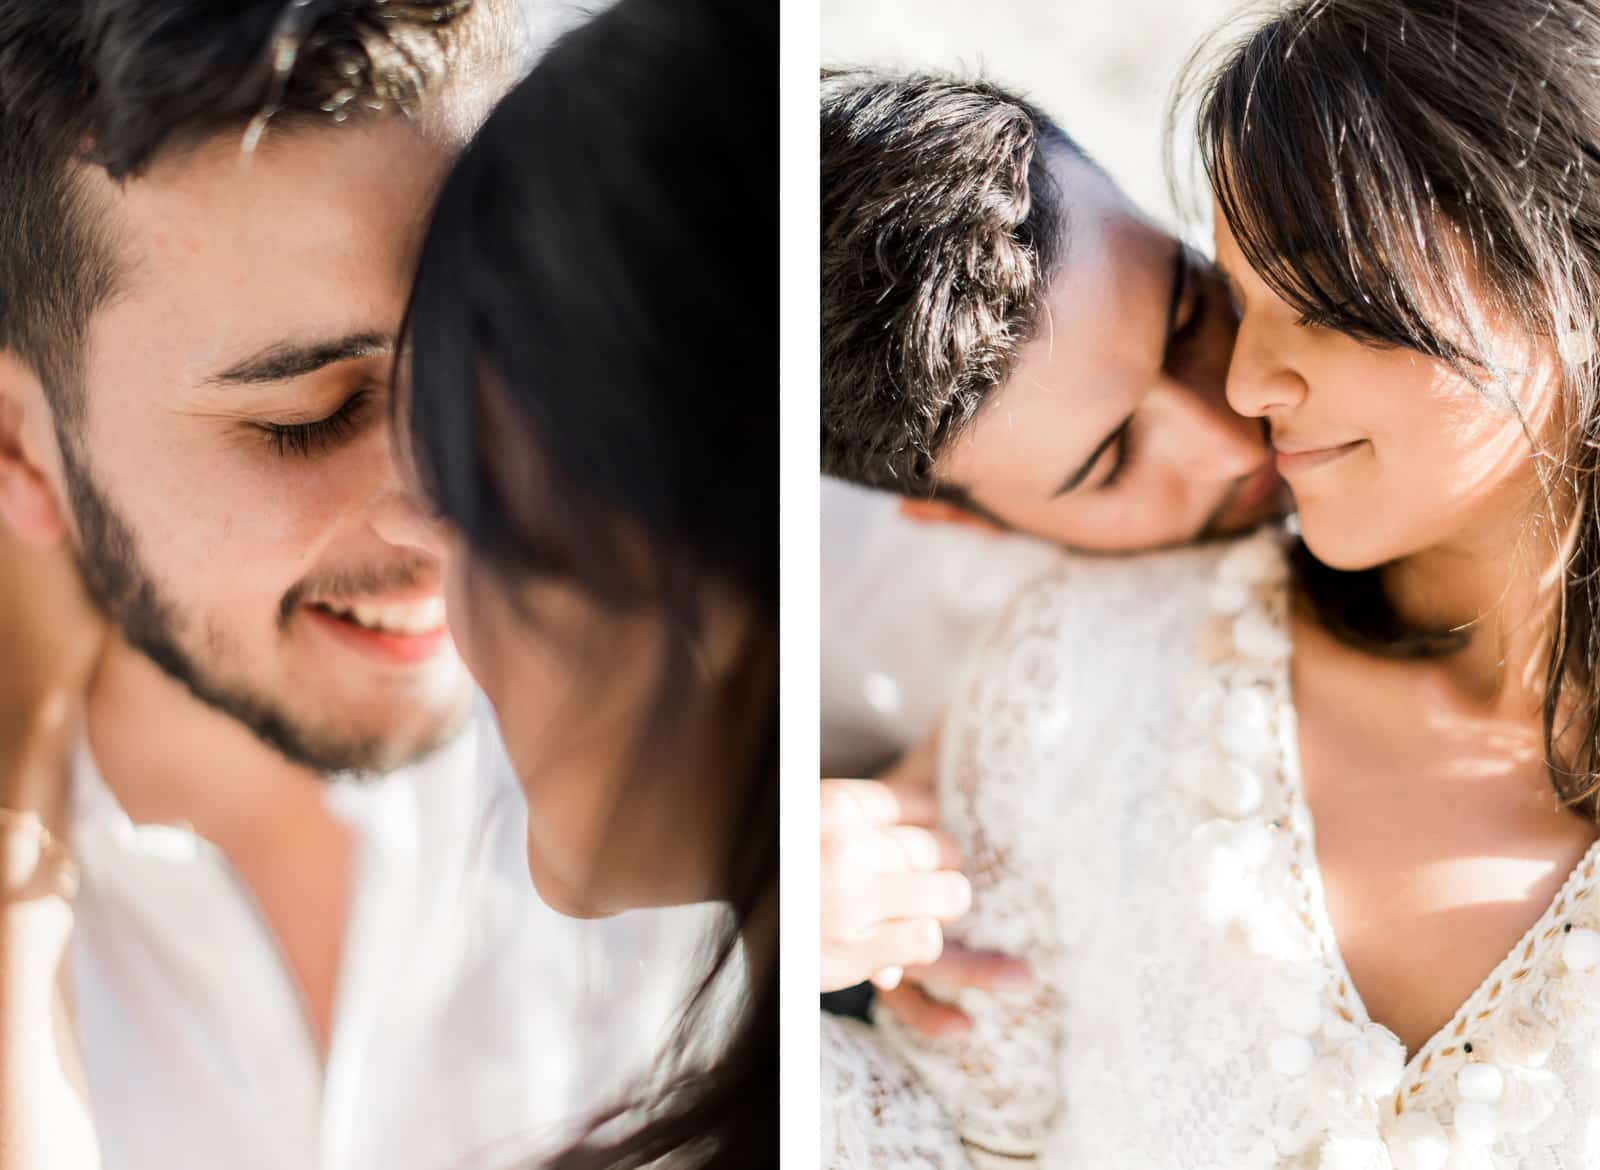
point(1292, 459)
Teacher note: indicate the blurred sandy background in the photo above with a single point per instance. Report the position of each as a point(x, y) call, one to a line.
point(1102, 69)
point(548, 19)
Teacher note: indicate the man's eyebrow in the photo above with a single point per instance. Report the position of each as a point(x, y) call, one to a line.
point(1226, 278)
point(284, 361)
point(1077, 477)
point(1180, 281)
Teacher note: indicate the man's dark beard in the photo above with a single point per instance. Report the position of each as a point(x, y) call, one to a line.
point(129, 597)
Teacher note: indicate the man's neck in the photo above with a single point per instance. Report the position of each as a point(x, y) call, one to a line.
point(169, 758)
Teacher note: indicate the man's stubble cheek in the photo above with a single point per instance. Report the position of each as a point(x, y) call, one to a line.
point(156, 612)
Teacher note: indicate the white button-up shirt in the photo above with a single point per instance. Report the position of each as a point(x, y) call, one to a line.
point(903, 603)
point(471, 1023)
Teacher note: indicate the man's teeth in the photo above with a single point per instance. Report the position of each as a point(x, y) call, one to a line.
point(415, 617)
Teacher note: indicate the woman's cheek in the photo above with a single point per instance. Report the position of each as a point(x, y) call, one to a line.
point(458, 610)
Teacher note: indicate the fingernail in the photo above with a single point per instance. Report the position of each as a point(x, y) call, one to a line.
point(1013, 979)
point(923, 852)
point(957, 894)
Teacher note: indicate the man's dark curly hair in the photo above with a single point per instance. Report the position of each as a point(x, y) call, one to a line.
point(941, 229)
point(113, 83)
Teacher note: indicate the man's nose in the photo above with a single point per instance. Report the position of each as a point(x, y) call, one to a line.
point(399, 512)
point(406, 519)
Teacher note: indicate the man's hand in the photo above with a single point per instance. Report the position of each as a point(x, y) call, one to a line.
point(889, 883)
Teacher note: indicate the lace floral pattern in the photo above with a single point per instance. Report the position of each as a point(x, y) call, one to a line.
point(881, 1116)
point(1123, 775)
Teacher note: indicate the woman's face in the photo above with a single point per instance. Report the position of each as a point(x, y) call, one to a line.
point(574, 686)
point(1388, 452)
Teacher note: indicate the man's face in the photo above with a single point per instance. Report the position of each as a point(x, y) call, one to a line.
point(238, 508)
point(1113, 433)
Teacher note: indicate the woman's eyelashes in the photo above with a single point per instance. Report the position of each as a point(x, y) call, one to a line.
point(1344, 323)
point(305, 440)
point(1317, 319)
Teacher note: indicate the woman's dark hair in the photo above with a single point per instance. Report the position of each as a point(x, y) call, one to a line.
point(1385, 165)
point(594, 357)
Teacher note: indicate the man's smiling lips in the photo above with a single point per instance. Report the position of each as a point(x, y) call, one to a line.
point(400, 631)
point(1294, 458)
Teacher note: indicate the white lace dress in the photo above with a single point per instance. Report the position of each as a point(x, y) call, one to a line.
point(1122, 774)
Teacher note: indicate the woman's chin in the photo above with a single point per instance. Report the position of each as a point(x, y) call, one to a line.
point(1344, 543)
point(1340, 557)
point(565, 897)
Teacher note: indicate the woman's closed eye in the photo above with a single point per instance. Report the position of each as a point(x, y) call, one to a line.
point(309, 439)
point(1323, 318)
point(1344, 323)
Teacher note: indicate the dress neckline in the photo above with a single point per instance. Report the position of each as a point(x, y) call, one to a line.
point(1480, 1007)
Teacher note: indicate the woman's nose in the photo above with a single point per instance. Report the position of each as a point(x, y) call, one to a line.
point(1261, 379)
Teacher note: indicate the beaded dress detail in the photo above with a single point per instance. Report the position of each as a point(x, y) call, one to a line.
point(1122, 773)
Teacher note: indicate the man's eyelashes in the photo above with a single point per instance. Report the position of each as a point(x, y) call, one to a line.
point(313, 438)
point(1119, 462)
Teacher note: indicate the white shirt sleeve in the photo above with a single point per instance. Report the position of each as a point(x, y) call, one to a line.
point(903, 604)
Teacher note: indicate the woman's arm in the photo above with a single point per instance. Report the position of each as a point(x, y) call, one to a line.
point(49, 642)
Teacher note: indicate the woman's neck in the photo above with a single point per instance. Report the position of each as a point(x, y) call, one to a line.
point(1501, 588)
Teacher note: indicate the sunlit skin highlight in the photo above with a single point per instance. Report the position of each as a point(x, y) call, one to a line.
point(1435, 818)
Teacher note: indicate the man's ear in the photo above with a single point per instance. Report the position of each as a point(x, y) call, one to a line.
point(944, 512)
point(28, 503)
